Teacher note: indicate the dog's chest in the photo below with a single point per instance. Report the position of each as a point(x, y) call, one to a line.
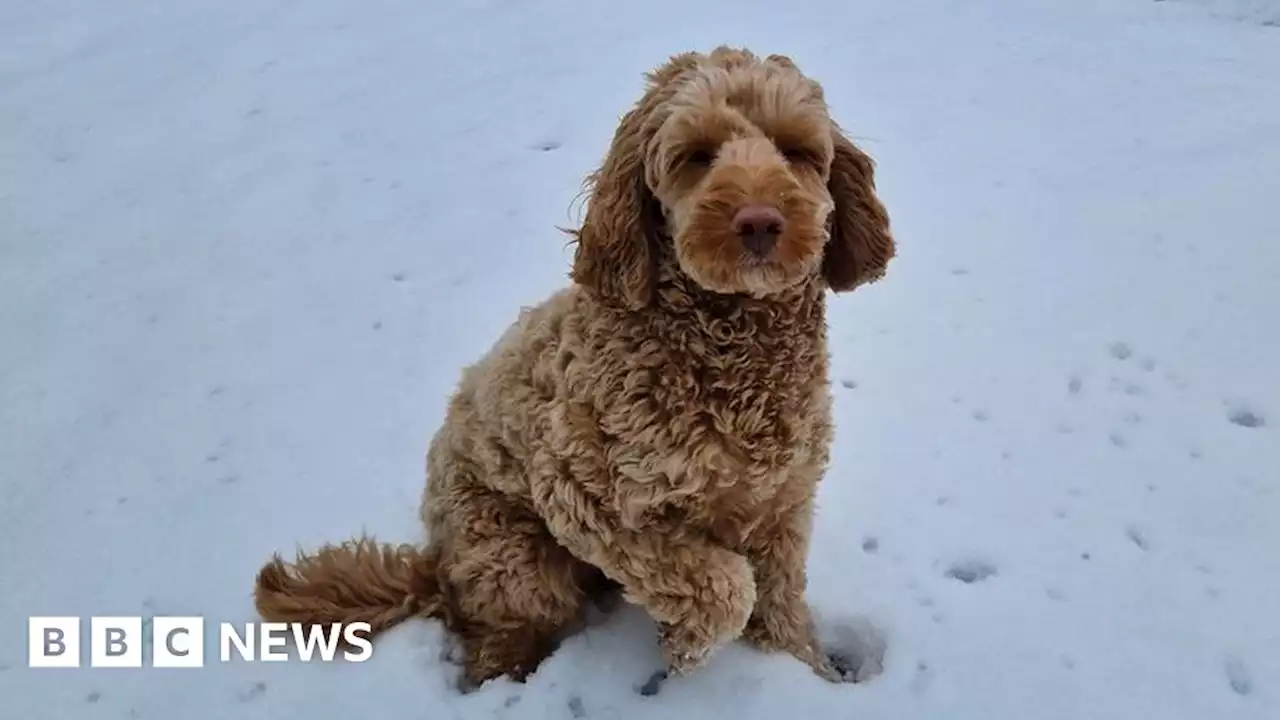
point(751, 454)
point(747, 410)
point(708, 419)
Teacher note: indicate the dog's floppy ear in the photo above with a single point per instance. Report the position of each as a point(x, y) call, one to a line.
point(615, 258)
point(861, 244)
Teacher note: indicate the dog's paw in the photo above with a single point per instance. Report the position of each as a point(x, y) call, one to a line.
point(683, 650)
point(685, 662)
point(757, 635)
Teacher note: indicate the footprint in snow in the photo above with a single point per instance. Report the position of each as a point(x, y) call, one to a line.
point(1238, 676)
point(1075, 384)
point(1131, 389)
point(848, 384)
point(922, 679)
point(971, 571)
point(254, 692)
point(576, 708)
point(1137, 537)
point(547, 145)
point(856, 649)
point(1246, 417)
point(1120, 350)
point(653, 685)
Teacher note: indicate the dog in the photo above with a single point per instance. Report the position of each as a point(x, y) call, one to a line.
point(657, 428)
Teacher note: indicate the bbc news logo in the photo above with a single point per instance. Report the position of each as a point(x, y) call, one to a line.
point(178, 642)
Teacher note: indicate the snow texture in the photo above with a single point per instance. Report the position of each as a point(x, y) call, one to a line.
point(247, 247)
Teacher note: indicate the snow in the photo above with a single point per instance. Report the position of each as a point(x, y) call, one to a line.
point(247, 247)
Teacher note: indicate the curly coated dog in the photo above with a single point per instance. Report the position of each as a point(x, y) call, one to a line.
point(661, 425)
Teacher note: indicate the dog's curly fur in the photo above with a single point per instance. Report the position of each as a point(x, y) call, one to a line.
point(662, 424)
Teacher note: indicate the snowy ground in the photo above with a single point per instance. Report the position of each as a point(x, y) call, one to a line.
point(246, 248)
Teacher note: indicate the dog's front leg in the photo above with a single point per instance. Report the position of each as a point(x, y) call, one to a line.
point(781, 621)
point(700, 593)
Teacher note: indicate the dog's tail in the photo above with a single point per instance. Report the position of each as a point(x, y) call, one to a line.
point(358, 581)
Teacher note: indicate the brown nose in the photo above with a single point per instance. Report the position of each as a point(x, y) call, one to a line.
point(759, 227)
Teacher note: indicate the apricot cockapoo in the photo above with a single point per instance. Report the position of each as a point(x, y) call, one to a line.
point(659, 426)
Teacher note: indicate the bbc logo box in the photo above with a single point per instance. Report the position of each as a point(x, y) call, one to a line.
point(179, 642)
point(53, 642)
point(115, 642)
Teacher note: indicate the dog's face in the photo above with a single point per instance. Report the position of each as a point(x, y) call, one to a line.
point(734, 160)
point(740, 165)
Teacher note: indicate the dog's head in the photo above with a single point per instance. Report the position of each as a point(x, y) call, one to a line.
point(734, 161)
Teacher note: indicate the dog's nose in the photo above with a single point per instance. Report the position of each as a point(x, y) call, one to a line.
point(759, 227)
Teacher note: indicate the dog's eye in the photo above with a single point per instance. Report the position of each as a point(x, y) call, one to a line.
point(796, 155)
point(697, 158)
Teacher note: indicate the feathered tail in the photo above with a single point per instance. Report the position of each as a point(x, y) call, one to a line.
point(358, 581)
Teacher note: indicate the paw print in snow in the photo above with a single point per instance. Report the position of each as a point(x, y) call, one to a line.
point(971, 571)
point(1246, 417)
point(856, 650)
point(1120, 350)
point(1137, 537)
point(1238, 676)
